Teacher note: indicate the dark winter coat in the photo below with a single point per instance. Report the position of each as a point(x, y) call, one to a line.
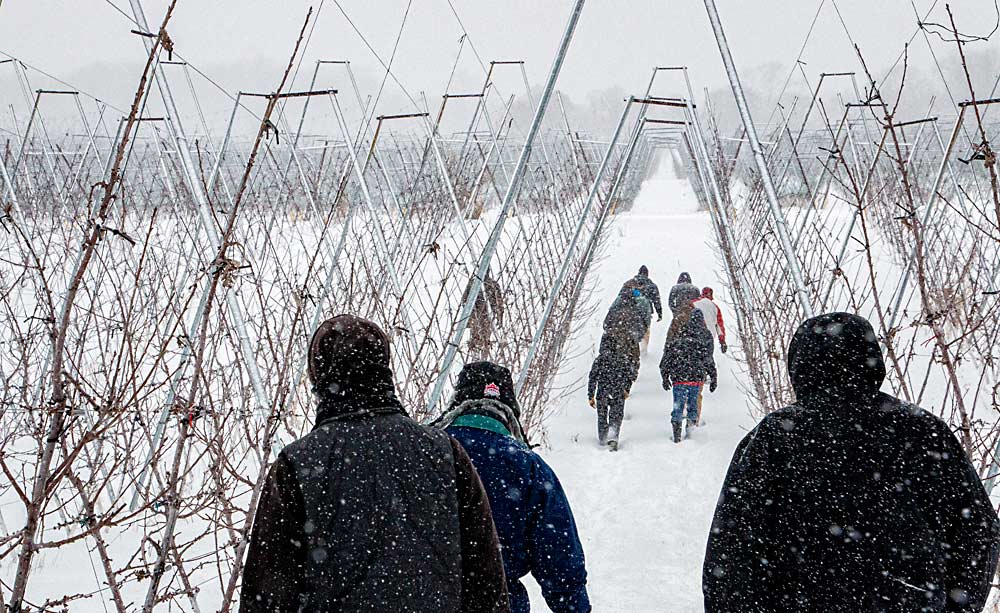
point(370, 511)
point(850, 500)
point(537, 531)
point(629, 316)
point(489, 307)
point(688, 353)
point(615, 369)
point(681, 294)
point(650, 292)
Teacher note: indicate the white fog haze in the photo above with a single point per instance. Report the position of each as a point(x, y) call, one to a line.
point(242, 45)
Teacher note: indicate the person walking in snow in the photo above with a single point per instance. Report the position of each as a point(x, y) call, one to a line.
point(487, 316)
point(687, 365)
point(650, 292)
point(611, 377)
point(630, 314)
point(683, 293)
point(713, 316)
point(370, 511)
point(537, 531)
point(713, 319)
point(850, 499)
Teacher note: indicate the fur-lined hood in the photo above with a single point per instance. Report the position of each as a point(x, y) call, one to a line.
point(483, 406)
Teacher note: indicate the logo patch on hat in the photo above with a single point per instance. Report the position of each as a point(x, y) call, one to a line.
point(492, 390)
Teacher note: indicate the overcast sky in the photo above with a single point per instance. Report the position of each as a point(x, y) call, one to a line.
point(243, 44)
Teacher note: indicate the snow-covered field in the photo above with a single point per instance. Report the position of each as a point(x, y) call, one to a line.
point(644, 512)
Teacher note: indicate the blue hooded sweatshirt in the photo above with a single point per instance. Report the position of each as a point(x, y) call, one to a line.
point(532, 516)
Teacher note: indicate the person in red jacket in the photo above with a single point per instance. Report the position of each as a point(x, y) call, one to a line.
point(713, 320)
point(713, 316)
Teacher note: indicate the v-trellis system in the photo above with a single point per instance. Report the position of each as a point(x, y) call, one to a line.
point(206, 263)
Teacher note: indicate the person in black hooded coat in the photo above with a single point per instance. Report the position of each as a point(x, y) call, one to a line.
point(687, 366)
point(370, 511)
point(611, 377)
point(629, 316)
point(649, 290)
point(682, 294)
point(850, 500)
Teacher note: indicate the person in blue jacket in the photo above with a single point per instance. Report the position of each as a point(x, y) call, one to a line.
point(532, 515)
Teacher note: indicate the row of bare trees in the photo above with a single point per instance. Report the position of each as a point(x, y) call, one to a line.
point(158, 293)
point(895, 218)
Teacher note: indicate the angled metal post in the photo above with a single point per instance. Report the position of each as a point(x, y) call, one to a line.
point(568, 259)
point(383, 244)
point(508, 200)
point(928, 207)
point(191, 174)
point(723, 221)
point(777, 217)
point(595, 235)
point(854, 219)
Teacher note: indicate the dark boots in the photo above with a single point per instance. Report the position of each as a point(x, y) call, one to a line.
point(677, 431)
point(612, 438)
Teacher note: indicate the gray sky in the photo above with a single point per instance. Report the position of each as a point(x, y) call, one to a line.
point(243, 44)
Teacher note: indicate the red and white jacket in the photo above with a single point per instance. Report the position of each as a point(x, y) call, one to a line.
point(713, 317)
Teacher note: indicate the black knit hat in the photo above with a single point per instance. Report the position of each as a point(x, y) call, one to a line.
point(486, 381)
point(684, 278)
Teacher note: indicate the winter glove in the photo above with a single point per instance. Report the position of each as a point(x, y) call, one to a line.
point(714, 384)
point(592, 403)
point(722, 346)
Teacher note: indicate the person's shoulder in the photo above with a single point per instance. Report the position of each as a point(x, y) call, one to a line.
point(785, 412)
point(776, 431)
point(421, 430)
point(542, 467)
point(296, 449)
point(396, 422)
point(785, 420)
point(497, 442)
point(495, 449)
point(916, 419)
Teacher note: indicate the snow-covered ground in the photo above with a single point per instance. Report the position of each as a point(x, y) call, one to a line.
point(644, 512)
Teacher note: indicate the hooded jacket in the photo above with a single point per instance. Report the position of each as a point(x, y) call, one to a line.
point(537, 531)
point(629, 315)
point(683, 293)
point(614, 370)
point(649, 290)
point(849, 500)
point(370, 511)
point(688, 353)
point(713, 314)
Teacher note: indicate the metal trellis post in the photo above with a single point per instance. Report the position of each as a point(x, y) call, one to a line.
point(512, 187)
point(781, 228)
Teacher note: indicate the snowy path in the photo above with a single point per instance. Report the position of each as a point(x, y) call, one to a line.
point(644, 512)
